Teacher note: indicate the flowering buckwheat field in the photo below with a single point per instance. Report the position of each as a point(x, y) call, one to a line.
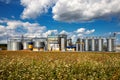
point(27, 65)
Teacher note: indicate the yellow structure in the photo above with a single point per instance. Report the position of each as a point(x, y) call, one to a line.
point(35, 49)
point(70, 49)
point(30, 46)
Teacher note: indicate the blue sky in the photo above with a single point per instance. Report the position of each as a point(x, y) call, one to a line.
point(76, 18)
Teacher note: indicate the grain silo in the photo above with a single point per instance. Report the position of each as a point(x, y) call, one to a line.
point(9, 45)
point(93, 43)
point(14, 44)
point(100, 44)
point(25, 45)
point(86, 43)
point(81, 45)
point(111, 44)
point(78, 45)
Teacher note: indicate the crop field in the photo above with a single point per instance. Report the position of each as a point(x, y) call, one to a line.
point(28, 65)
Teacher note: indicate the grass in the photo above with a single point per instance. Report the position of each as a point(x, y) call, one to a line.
point(27, 65)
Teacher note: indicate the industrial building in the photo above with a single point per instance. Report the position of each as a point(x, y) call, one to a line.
point(53, 43)
point(62, 43)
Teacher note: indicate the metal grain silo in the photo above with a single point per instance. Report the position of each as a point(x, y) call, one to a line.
point(86, 44)
point(91, 44)
point(100, 44)
point(62, 44)
point(81, 45)
point(110, 44)
point(113, 44)
point(77, 46)
point(8, 45)
point(25, 45)
point(96, 43)
point(15, 45)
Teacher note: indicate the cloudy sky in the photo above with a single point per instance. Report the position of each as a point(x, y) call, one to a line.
point(76, 18)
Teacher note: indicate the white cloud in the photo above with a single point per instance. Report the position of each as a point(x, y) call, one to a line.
point(2, 30)
point(50, 32)
point(64, 32)
point(74, 38)
point(90, 31)
point(34, 8)
point(80, 35)
point(18, 28)
point(85, 10)
point(80, 30)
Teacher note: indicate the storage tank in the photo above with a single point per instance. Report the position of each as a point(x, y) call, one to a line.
point(25, 45)
point(100, 44)
point(62, 44)
point(86, 44)
point(81, 45)
point(89, 44)
point(110, 44)
point(96, 39)
point(15, 45)
point(8, 45)
point(93, 44)
point(77, 47)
